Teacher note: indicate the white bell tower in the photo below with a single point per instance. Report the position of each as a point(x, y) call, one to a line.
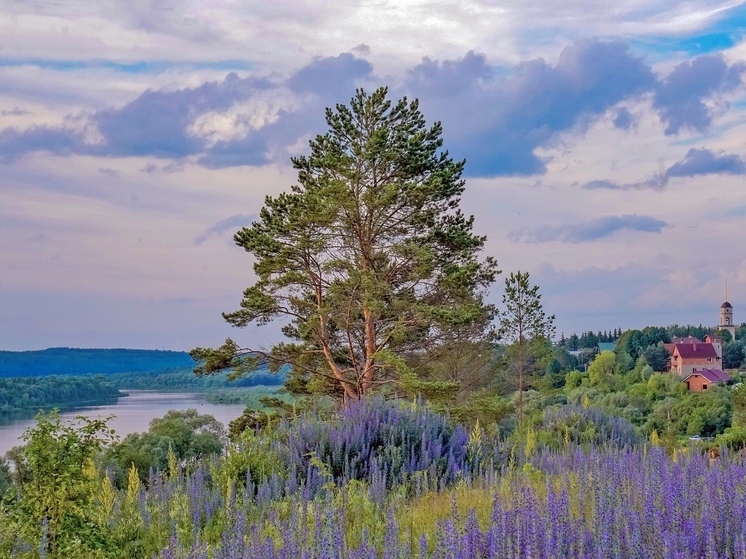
point(726, 315)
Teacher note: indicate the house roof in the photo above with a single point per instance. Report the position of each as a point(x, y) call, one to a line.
point(695, 351)
point(687, 340)
point(713, 375)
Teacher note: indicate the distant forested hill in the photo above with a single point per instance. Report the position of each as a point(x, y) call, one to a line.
point(68, 361)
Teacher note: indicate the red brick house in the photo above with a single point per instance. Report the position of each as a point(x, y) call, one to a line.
point(687, 358)
point(701, 380)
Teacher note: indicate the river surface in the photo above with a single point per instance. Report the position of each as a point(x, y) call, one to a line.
point(133, 413)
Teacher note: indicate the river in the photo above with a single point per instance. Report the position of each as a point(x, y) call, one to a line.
point(132, 413)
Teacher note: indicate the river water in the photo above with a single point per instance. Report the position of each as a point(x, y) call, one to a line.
point(132, 413)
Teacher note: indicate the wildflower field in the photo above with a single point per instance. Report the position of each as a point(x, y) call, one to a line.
point(386, 480)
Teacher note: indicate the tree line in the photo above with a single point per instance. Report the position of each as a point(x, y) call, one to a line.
point(33, 393)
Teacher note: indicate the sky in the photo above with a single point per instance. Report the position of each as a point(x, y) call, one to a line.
point(605, 147)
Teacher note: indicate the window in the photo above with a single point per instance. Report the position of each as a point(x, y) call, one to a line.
point(704, 387)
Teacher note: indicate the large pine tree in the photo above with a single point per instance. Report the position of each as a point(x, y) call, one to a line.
point(368, 260)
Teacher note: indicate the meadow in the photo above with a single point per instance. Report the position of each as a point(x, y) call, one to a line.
point(397, 480)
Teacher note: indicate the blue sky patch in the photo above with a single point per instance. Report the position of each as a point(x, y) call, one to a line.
point(135, 67)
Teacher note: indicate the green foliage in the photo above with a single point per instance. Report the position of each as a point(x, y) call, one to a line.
point(228, 356)
point(705, 414)
point(733, 355)
point(656, 356)
point(524, 318)
point(561, 426)
point(253, 397)
point(573, 379)
point(5, 477)
point(738, 402)
point(632, 342)
point(522, 322)
point(467, 366)
point(252, 454)
point(369, 253)
point(188, 434)
point(52, 510)
point(185, 379)
point(484, 408)
point(733, 437)
point(602, 368)
point(21, 394)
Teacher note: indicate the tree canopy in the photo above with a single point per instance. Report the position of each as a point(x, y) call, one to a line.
point(367, 261)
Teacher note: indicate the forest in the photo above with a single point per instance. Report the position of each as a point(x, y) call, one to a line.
point(33, 393)
point(185, 379)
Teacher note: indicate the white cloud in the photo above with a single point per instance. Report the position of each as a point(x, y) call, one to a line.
point(240, 119)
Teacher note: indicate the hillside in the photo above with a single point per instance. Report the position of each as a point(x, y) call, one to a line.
point(70, 361)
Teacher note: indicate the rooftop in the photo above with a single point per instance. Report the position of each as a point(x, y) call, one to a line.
point(713, 375)
point(695, 351)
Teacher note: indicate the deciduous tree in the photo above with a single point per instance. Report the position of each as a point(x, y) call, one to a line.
point(52, 508)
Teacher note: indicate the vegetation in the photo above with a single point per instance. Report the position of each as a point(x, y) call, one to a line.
point(52, 503)
point(377, 479)
point(181, 435)
point(185, 379)
point(31, 394)
point(368, 258)
point(256, 398)
point(522, 322)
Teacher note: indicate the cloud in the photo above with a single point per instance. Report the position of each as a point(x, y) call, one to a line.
point(705, 162)
point(167, 169)
point(495, 117)
point(696, 162)
point(175, 124)
point(15, 111)
point(232, 222)
point(657, 182)
point(589, 231)
point(498, 121)
point(108, 171)
point(680, 97)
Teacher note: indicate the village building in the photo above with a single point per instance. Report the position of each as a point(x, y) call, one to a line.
point(726, 316)
point(717, 343)
point(700, 362)
point(690, 357)
point(701, 380)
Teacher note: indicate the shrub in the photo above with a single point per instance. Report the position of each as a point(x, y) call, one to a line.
point(377, 441)
point(584, 426)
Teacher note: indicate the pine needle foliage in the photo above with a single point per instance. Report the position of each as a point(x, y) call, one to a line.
point(367, 261)
point(522, 321)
